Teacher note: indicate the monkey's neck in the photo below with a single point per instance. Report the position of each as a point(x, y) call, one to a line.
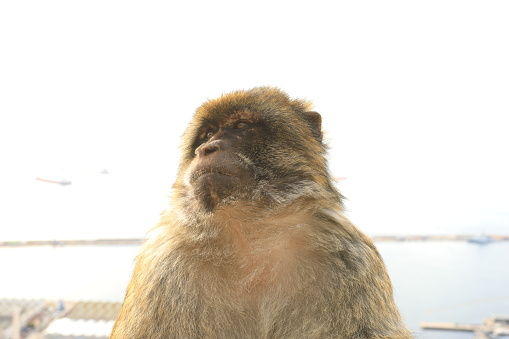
point(264, 253)
point(246, 225)
point(258, 255)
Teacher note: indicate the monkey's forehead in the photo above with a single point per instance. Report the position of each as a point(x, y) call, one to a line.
point(226, 117)
point(261, 102)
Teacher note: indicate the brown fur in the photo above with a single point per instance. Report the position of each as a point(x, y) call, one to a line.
point(269, 255)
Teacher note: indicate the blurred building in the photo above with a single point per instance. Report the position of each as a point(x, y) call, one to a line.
point(43, 319)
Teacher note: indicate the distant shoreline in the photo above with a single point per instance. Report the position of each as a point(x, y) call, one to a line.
point(80, 242)
point(139, 241)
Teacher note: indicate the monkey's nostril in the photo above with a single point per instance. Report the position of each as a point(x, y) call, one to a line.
point(208, 148)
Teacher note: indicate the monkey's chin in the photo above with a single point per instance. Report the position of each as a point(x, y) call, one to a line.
point(215, 189)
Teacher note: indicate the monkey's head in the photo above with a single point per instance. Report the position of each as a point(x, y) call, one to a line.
point(257, 147)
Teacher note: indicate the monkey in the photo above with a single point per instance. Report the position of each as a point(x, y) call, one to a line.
point(255, 243)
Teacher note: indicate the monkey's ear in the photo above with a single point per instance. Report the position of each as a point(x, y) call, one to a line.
point(314, 120)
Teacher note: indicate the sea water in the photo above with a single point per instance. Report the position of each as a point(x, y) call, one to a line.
point(433, 281)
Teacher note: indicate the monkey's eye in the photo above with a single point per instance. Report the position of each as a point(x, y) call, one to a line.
point(241, 125)
point(208, 133)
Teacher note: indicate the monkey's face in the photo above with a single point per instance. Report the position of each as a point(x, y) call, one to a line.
point(258, 146)
point(220, 171)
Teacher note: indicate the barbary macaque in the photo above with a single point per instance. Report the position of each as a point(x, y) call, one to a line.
point(255, 244)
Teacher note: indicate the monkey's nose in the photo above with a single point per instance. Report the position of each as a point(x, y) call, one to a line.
point(207, 148)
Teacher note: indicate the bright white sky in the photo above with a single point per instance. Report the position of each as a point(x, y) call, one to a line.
point(414, 97)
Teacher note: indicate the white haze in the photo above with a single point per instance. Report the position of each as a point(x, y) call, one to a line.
point(414, 98)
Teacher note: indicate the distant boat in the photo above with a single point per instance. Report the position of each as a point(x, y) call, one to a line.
point(480, 239)
point(61, 182)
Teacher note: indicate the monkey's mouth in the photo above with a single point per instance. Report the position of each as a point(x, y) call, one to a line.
point(208, 171)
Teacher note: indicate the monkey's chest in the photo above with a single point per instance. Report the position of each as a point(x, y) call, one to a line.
point(264, 274)
point(254, 303)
